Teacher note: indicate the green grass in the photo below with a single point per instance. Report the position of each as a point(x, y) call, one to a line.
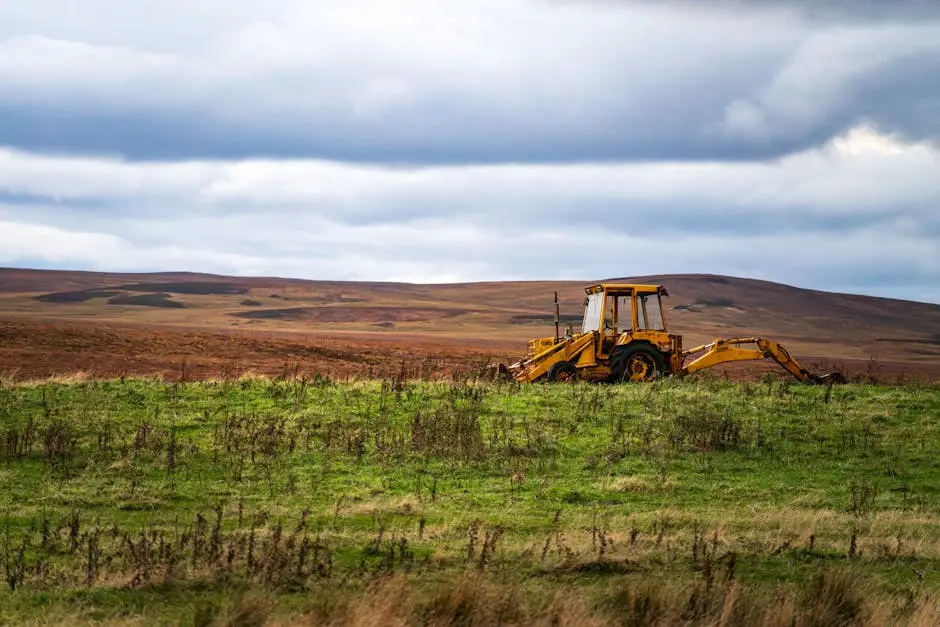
point(170, 502)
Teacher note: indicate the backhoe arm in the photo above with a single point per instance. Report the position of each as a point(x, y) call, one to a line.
point(724, 351)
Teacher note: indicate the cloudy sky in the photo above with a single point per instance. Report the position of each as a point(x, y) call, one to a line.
point(435, 140)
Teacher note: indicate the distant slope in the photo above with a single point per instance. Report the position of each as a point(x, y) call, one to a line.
point(700, 307)
point(27, 280)
point(790, 310)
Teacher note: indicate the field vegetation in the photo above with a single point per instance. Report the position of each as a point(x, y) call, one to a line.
point(398, 501)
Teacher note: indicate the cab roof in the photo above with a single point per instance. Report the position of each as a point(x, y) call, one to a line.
point(636, 287)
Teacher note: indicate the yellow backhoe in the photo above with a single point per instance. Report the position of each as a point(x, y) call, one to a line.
point(624, 338)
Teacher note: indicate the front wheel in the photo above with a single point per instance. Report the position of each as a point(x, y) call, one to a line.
point(563, 372)
point(637, 364)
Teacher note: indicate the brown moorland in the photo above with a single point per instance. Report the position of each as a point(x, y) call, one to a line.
point(187, 325)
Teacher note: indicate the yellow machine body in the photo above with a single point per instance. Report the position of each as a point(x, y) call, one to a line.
point(624, 338)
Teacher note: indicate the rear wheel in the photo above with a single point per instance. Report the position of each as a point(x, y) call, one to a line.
point(563, 372)
point(637, 364)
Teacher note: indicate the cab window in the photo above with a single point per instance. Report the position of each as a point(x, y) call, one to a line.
point(593, 307)
point(649, 313)
point(624, 313)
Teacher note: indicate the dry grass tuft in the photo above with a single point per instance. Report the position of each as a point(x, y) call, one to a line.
point(835, 597)
point(79, 376)
point(250, 609)
point(474, 601)
point(927, 612)
point(386, 604)
point(632, 483)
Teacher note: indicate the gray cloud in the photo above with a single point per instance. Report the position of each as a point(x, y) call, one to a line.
point(841, 11)
point(851, 10)
point(858, 213)
point(454, 83)
point(788, 140)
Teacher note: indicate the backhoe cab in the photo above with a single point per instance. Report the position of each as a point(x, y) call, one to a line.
point(624, 338)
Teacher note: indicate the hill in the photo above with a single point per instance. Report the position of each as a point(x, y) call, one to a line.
point(493, 317)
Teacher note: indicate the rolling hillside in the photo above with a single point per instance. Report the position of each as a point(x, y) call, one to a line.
point(489, 316)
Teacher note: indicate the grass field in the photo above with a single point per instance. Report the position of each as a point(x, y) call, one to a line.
point(392, 501)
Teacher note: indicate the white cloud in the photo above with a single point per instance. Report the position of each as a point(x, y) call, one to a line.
point(853, 210)
point(860, 173)
point(379, 96)
point(38, 62)
point(429, 78)
point(554, 139)
point(20, 240)
point(822, 75)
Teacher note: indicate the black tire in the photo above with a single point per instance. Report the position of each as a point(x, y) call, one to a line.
point(562, 372)
point(638, 363)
